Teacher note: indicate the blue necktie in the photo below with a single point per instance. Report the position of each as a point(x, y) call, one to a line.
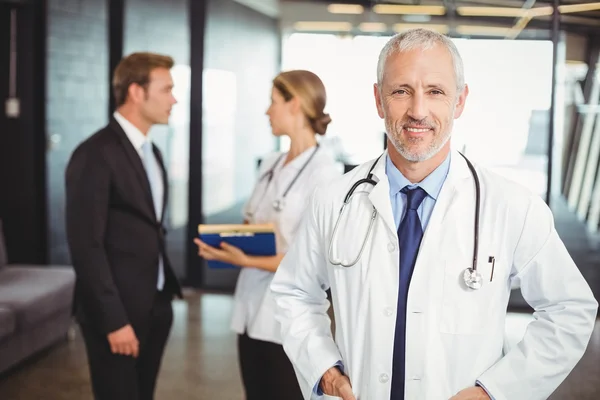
point(155, 179)
point(410, 234)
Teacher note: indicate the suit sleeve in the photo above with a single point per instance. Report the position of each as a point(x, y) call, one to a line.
point(87, 203)
point(299, 290)
point(564, 316)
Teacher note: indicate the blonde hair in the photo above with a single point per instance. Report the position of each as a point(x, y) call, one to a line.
point(310, 91)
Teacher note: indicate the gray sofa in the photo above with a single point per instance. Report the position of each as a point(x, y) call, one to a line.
point(35, 307)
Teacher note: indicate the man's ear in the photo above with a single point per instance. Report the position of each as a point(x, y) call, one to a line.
point(460, 102)
point(136, 93)
point(378, 102)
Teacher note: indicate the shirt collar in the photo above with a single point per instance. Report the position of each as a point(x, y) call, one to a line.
point(136, 136)
point(432, 184)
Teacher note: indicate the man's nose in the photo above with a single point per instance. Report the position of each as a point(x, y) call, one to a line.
point(418, 107)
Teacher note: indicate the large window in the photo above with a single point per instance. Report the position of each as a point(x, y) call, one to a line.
point(347, 67)
point(505, 122)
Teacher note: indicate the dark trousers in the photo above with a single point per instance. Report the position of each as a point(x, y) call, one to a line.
point(119, 377)
point(267, 373)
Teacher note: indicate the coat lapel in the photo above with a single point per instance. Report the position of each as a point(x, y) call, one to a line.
point(138, 167)
point(450, 200)
point(380, 195)
point(458, 173)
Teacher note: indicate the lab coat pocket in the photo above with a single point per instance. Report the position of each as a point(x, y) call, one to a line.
point(464, 311)
point(328, 397)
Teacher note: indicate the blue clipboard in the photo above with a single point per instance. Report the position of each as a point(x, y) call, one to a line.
point(252, 239)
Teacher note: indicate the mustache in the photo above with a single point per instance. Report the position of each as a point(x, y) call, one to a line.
point(417, 123)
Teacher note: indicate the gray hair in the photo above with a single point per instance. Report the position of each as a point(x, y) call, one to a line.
point(423, 39)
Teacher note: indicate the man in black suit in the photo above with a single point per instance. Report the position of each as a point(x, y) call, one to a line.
point(116, 189)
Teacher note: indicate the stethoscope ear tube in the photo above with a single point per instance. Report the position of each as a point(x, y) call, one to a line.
point(346, 263)
point(477, 202)
point(472, 276)
point(368, 180)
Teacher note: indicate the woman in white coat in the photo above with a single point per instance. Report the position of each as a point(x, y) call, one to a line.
point(413, 320)
point(280, 196)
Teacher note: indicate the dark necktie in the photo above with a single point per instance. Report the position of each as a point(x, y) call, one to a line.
point(154, 178)
point(410, 234)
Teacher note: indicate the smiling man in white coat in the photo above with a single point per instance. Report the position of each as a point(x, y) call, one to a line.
point(421, 261)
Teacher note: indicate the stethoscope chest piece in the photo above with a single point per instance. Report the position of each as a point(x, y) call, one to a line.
point(279, 204)
point(472, 278)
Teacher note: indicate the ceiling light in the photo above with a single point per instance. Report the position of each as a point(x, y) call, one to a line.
point(573, 8)
point(491, 11)
point(328, 26)
point(373, 27)
point(523, 12)
point(509, 12)
point(345, 9)
point(402, 9)
point(540, 11)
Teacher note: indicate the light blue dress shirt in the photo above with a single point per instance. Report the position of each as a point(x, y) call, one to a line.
point(432, 184)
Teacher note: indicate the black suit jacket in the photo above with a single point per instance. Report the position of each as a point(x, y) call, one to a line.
point(114, 236)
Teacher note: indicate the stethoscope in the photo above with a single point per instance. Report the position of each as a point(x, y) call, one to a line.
point(471, 276)
point(279, 203)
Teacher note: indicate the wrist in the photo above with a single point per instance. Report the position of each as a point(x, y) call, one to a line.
point(483, 394)
point(329, 377)
point(246, 261)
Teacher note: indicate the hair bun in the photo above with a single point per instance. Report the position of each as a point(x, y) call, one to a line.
point(320, 124)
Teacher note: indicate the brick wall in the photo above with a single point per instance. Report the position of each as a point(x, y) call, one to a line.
point(76, 99)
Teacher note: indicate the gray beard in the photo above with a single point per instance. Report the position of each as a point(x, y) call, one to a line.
point(393, 132)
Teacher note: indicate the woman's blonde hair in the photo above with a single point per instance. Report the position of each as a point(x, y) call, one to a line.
point(310, 91)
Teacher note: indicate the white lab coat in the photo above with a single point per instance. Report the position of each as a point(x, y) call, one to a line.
point(253, 306)
point(454, 335)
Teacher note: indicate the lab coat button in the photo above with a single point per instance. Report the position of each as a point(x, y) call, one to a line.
point(383, 378)
point(388, 312)
point(391, 247)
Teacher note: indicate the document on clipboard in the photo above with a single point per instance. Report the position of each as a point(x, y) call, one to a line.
point(252, 239)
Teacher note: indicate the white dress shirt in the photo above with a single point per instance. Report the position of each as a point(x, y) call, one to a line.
point(138, 139)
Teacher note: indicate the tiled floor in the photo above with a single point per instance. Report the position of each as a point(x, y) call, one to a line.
point(200, 362)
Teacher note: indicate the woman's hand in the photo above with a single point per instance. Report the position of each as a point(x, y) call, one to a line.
point(226, 253)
